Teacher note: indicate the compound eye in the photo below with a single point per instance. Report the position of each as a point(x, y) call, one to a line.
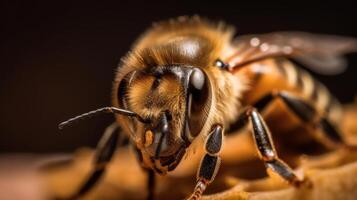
point(123, 100)
point(197, 79)
point(199, 99)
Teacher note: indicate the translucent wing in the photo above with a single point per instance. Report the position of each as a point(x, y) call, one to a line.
point(321, 53)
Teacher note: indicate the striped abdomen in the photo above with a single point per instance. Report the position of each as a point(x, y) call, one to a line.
point(281, 74)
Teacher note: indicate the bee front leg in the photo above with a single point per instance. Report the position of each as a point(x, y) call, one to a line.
point(105, 150)
point(210, 163)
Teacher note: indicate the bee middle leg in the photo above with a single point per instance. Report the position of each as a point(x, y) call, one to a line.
point(306, 113)
point(266, 149)
point(210, 163)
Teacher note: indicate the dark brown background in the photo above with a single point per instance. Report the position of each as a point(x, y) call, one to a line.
point(58, 60)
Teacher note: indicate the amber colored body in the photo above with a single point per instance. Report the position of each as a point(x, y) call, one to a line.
point(238, 75)
point(187, 82)
point(200, 43)
point(279, 74)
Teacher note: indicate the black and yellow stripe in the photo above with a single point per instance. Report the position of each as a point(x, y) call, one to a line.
point(310, 89)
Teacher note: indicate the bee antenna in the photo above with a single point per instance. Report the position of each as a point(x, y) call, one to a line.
point(99, 111)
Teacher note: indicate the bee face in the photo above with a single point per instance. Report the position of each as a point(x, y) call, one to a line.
point(175, 100)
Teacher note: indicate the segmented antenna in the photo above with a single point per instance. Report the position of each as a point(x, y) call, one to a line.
point(99, 111)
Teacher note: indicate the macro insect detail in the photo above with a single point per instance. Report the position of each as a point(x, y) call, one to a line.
point(189, 82)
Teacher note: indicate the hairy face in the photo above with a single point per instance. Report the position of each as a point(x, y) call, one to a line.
point(151, 96)
point(175, 100)
point(166, 80)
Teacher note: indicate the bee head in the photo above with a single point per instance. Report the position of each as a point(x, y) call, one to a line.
point(175, 101)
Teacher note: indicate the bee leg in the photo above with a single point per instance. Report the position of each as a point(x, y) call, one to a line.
point(210, 163)
point(305, 112)
point(105, 150)
point(151, 184)
point(309, 115)
point(266, 149)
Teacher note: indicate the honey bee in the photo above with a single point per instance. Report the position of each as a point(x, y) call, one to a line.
point(188, 79)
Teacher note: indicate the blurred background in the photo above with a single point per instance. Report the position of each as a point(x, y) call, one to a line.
point(57, 60)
